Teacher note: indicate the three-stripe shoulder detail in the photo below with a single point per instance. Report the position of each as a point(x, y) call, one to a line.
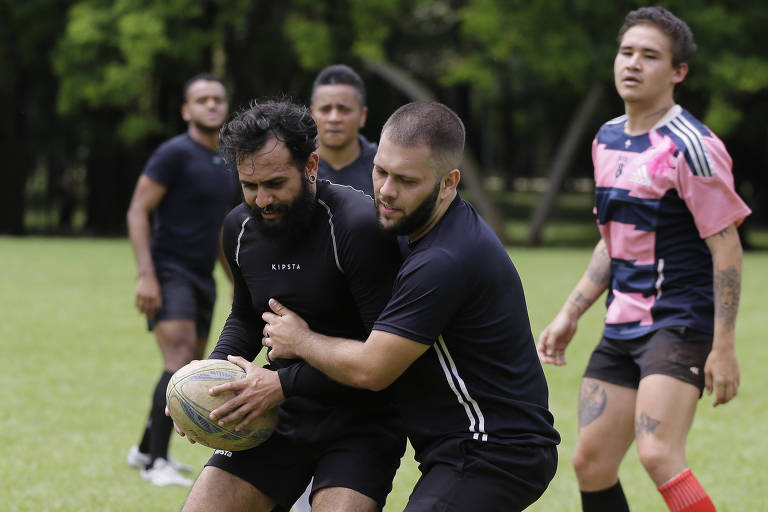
point(692, 140)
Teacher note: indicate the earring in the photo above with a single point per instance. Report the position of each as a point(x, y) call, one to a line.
point(311, 178)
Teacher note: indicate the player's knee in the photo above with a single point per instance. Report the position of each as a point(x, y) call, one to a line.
point(584, 461)
point(657, 456)
point(593, 469)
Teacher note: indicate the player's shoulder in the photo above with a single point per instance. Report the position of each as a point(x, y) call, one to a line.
point(237, 217)
point(693, 139)
point(612, 130)
point(178, 144)
point(347, 205)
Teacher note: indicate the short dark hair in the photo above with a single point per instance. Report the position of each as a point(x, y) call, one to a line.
point(253, 126)
point(208, 77)
point(429, 124)
point(679, 33)
point(340, 74)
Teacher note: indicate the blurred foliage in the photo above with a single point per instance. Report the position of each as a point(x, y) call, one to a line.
point(98, 87)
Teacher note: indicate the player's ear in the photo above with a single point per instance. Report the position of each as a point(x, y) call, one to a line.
point(363, 116)
point(681, 71)
point(451, 181)
point(312, 164)
point(184, 112)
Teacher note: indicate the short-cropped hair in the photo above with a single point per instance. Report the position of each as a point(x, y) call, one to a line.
point(431, 124)
point(340, 74)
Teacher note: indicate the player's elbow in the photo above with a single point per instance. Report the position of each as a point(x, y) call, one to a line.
point(372, 379)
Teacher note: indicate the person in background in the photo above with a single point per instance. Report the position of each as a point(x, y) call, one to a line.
point(338, 107)
point(174, 224)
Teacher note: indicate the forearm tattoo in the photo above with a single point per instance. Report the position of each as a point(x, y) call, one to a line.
point(727, 288)
point(645, 425)
point(599, 269)
point(579, 301)
point(592, 400)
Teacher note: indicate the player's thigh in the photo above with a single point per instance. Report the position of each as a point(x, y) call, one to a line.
point(606, 425)
point(364, 463)
point(663, 417)
point(337, 499)
point(177, 339)
point(215, 489)
point(482, 477)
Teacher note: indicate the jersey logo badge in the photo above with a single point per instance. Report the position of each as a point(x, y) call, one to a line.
point(627, 143)
point(641, 176)
point(694, 370)
point(286, 266)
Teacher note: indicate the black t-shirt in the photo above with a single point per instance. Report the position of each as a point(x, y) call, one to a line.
point(358, 173)
point(459, 292)
point(200, 190)
point(338, 279)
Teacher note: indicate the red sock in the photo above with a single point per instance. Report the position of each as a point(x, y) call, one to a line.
point(684, 494)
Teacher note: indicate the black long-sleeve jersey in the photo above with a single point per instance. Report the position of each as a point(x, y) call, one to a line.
point(338, 278)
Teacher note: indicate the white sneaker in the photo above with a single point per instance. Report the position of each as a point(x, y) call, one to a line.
point(162, 473)
point(139, 460)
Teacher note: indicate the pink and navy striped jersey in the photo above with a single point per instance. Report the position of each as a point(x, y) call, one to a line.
point(657, 196)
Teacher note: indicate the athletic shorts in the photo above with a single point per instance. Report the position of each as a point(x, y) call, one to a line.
point(282, 468)
point(679, 352)
point(187, 295)
point(482, 477)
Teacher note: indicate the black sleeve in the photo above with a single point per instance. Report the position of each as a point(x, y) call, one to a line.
point(242, 332)
point(301, 379)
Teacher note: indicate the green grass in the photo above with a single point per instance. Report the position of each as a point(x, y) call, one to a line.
point(78, 368)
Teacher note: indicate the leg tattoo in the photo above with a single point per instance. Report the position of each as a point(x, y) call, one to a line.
point(645, 425)
point(591, 403)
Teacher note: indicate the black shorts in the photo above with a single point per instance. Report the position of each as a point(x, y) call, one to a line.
point(678, 352)
point(282, 468)
point(482, 477)
point(187, 295)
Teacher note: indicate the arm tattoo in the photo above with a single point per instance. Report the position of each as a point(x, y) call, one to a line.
point(727, 287)
point(592, 400)
point(645, 425)
point(724, 232)
point(599, 269)
point(579, 301)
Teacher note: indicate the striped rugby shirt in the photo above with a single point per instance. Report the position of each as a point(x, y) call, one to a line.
point(657, 197)
point(458, 291)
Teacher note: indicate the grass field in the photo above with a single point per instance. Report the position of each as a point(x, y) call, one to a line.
point(78, 368)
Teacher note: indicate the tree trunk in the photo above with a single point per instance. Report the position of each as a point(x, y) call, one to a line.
point(415, 91)
point(560, 163)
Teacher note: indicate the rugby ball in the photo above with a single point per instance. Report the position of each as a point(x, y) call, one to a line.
point(190, 405)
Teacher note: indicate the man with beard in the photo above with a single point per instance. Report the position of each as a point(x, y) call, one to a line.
point(454, 342)
point(186, 189)
point(317, 247)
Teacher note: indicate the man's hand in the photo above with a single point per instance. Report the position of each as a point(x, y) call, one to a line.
point(258, 391)
point(284, 332)
point(148, 297)
point(721, 374)
point(555, 338)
